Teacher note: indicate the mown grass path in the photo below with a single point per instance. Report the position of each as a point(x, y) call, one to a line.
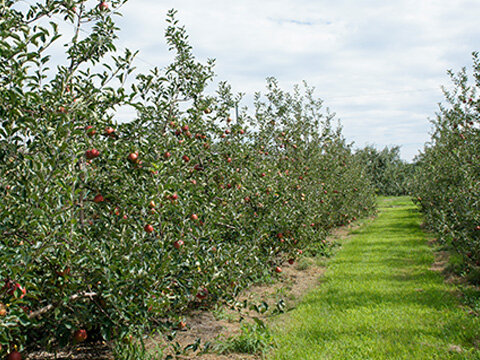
point(380, 300)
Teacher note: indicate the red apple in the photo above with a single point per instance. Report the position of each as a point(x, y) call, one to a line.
point(202, 294)
point(98, 199)
point(178, 244)
point(92, 154)
point(291, 261)
point(109, 130)
point(278, 269)
point(185, 128)
point(185, 158)
point(174, 196)
point(227, 131)
point(11, 287)
point(242, 131)
point(90, 130)
point(3, 310)
point(229, 160)
point(80, 336)
point(133, 157)
point(167, 155)
point(194, 217)
point(148, 228)
point(103, 6)
point(152, 204)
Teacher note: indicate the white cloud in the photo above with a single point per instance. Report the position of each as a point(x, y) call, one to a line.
point(368, 60)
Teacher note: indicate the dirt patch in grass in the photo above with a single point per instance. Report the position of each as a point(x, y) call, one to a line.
point(467, 292)
point(441, 261)
point(207, 327)
point(441, 264)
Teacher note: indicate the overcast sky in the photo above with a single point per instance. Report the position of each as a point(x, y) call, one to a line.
point(378, 65)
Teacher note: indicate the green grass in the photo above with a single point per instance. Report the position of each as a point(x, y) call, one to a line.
point(380, 300)
point(255, 338)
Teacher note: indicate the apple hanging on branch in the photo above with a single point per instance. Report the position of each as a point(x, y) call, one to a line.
point(103, 6)
point(80, 336)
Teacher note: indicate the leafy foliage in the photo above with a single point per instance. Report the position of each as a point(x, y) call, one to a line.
point(390, 174)
point(254, 338)
point(447, 182)
point(111, 228)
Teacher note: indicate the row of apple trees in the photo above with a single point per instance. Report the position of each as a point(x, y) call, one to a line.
point(108, 227)
point(447, 180)
point(390, 175)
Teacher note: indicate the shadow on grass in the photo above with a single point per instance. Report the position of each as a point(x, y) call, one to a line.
point(430, 299)
point(388, 336)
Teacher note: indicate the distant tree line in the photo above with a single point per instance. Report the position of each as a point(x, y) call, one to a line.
point(389, 173)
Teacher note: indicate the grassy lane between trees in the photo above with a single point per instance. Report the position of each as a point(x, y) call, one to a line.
point(380, 299)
